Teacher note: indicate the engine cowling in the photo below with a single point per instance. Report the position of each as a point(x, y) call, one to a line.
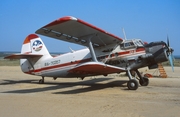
point(156, 51)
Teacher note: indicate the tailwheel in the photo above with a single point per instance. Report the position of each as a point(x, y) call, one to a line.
point(41, 81)
point(144, 81)
point(132, 84)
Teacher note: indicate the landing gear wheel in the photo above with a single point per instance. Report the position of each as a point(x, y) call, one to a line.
point(132, 84)
point(41, 81)
point(144, 81)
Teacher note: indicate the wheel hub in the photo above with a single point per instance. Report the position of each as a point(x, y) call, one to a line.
point(132, 84)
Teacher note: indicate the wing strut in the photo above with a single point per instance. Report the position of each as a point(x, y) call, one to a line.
point(91, 48)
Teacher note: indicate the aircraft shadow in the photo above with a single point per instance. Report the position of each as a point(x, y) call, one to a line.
point(94, 87)
point(10, 82)
point(85, 86)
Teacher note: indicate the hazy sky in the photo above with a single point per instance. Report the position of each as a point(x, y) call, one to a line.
point(149, 20)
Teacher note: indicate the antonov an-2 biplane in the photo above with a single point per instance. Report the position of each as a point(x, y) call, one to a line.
point(105, 53)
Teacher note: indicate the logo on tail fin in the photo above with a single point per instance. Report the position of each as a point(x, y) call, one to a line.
point(37, 45)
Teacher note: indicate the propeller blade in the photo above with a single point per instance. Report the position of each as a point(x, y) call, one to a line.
point(171, 61)
point(173, 57)
point(169, 52)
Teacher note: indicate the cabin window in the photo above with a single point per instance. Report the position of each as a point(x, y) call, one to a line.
point(128, 45)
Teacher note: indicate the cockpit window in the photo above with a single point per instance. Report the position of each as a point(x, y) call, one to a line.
point(128, 44)
point(131, 44)
point(139, 43)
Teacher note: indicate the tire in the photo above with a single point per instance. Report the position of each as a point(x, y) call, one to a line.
point(144, 81)
point(132, 85)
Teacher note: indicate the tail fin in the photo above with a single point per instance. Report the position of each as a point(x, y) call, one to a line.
point(32, 53)
point(36, 51)
point(33, 44)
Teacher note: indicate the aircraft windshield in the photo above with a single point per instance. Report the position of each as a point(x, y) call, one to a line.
point(138, 43)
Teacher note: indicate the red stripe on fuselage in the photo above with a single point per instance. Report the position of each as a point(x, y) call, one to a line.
point(129, 52)
point(59, 66)
point(140, 49)
point(81, 61)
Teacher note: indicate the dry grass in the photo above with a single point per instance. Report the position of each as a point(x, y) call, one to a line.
point(176, 63)
point(6, 62)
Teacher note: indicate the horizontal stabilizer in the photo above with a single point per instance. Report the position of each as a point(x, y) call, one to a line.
point(22, 56)
point(96, 68)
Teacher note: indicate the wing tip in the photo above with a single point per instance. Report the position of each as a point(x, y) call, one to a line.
point(61, 20)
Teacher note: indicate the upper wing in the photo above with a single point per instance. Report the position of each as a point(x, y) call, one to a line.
point(74, 30)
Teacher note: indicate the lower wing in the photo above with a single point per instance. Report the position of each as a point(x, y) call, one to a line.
point(96, 68)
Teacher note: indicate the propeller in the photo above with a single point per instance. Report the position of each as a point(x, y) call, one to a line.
point(170, 55)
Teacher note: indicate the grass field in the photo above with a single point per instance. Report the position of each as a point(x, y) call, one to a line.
point(6, 62)
point(176, 63)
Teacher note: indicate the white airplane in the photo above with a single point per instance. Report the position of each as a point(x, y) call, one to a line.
point(105, 53)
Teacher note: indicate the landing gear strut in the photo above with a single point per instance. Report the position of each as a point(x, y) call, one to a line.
point(143, 81)
point(132, 83)
point(41, 81)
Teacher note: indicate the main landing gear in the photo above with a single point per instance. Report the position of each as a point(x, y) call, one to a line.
point(41, 81)
point(143, 81)
point(133, 84)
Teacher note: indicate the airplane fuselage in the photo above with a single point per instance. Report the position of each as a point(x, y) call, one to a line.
point(58, 66)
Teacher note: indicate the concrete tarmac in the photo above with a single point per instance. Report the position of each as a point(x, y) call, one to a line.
point(22, 96)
